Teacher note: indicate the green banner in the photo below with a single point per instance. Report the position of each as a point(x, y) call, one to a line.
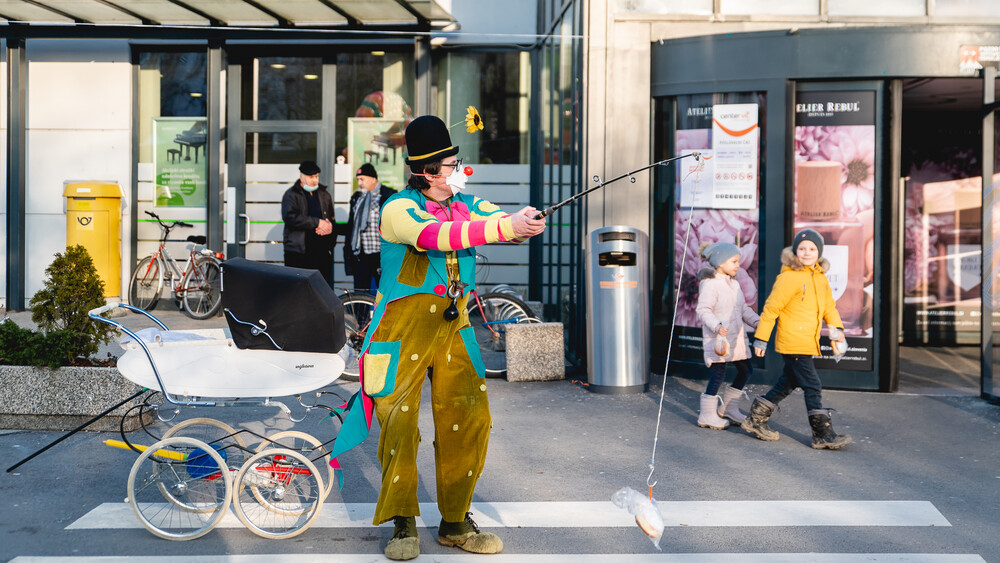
point(179, 161)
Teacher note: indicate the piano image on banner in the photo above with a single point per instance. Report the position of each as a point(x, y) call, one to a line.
point(193, 138)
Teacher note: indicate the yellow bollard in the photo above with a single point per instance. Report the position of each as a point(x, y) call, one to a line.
point(162, 453)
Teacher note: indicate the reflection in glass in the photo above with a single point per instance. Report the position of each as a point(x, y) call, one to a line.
point(280, 148)
point(283, 88)
point(170, 85)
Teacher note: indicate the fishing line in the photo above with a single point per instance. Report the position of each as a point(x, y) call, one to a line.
point(696, 170)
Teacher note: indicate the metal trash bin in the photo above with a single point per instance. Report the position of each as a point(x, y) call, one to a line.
point(93, 220)
point(618, 310)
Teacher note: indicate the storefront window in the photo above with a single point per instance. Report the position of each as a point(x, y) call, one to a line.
point(172, 126)
point(664, 6)
point(283, 88)
point(695, 205)
point(967, 8)
point(280, 148)
point(374, 95)
point(770, 7)
point(835, 172)
point(497, 84)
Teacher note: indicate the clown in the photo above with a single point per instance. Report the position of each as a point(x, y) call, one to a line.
point(429, 232)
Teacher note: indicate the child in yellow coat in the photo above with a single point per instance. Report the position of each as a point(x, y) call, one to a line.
point(799, 301)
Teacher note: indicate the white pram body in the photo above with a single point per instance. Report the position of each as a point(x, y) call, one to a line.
point(206, 363)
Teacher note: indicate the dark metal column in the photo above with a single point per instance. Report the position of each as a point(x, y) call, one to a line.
point(422, 67)
point(17, 117)
point(989, 260)
point(216, 214)
point(235, 142)
point(536, 160)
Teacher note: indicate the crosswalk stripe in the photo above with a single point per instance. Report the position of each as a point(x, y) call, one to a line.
point(602, 514)
point(540, 558)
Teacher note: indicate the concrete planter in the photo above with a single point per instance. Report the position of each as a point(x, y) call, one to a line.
point(34, 398)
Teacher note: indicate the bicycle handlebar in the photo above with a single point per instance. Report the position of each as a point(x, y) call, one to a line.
point(166, 226)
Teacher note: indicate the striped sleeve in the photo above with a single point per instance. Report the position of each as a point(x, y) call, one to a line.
point(404, 222)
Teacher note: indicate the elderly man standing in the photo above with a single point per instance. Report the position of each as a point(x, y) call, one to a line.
point(307, 210)
point(363, 242)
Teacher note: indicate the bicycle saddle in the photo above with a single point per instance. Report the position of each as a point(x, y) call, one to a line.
point(197, 239)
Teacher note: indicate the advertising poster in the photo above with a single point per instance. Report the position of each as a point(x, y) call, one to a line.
point(378, 141)
point(734, 147)
point(835, 196)
point(179, 161)
point(711, 223)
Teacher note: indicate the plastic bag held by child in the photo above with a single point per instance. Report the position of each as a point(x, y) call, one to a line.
point(647, 514)
point(838, 343)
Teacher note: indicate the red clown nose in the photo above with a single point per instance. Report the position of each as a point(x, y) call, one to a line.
point(468, 171)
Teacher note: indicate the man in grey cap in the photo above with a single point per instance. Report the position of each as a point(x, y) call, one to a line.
point(309, 235)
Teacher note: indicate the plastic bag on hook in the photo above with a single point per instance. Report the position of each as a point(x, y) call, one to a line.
point(647, 514)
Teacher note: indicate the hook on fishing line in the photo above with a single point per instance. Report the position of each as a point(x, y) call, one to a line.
point(652, 468)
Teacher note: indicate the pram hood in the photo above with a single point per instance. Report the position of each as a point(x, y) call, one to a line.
point(271, 307)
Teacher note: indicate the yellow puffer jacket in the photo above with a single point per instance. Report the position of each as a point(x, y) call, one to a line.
point(799, 301)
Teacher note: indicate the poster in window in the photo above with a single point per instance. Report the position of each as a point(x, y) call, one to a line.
point(835, 195)
point(179, 161)
point(380, 142)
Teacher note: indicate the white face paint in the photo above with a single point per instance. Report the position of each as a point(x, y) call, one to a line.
point(456, 180)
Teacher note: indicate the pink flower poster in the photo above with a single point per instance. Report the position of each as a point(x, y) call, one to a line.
point(835, 196)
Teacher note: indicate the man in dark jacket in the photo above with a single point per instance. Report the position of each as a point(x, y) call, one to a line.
point(309, 234)
point(363, 243)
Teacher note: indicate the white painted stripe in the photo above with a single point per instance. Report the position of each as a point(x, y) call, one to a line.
point(604, 514)
point(541, 558)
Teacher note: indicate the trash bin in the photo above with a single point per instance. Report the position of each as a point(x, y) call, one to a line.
point(93, 220)
point(618, 310)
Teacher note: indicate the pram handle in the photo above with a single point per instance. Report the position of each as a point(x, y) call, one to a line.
point(96, 313)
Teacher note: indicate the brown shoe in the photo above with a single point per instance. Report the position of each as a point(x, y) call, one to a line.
point(405, 542)
point(467, 536)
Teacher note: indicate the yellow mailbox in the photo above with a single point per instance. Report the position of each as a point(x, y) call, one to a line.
point(93, 220)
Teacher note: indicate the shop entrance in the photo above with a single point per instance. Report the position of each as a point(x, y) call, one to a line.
point(941, 200)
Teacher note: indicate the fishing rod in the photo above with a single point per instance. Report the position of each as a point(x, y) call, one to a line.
point(548, 210)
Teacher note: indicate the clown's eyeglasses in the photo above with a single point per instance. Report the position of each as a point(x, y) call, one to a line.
point(455, 166)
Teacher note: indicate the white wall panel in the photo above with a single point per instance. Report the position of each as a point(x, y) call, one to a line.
point(45, 235)
point(54, 156)
point(94, 94)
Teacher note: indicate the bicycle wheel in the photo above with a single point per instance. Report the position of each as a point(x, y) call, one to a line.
point(193, 480)
point(144, 288)
point(497, 311)
point(202, 289)
point(278, 493)
point(358, 309)
point(307, 445)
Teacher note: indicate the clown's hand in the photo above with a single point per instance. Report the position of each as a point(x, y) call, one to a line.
point(525, 226)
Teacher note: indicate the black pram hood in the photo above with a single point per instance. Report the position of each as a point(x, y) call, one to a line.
point(271, 307)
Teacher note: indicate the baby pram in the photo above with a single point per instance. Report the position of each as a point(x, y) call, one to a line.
point(285, 337)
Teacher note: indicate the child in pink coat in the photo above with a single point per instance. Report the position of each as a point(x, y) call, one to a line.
point(725, 316)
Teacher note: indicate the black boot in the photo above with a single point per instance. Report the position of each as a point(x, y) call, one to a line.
point(823, 435)
point(756, 422)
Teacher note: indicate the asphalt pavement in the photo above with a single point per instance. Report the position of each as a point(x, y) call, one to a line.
point(920, 482)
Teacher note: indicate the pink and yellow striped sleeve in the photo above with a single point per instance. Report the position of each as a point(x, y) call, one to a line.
point(404, 222)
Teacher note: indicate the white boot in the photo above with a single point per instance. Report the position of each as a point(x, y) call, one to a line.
point(709, 416)
point(730, 405)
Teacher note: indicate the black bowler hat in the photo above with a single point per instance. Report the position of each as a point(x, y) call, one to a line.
point(367, 170)
point(308, 168)
point(427, 140)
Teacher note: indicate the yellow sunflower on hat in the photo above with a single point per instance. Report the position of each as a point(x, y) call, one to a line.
point(473, 122)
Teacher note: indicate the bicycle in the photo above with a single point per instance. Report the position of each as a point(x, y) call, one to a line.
point(199, 289)
point(488, 315)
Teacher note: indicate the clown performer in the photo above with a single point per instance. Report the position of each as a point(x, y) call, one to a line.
point(429, 234)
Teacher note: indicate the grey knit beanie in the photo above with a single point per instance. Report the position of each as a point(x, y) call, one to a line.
point(718, 252)
point(810, 235)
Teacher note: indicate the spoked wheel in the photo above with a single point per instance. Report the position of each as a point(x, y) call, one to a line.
point(202, 290)
point(358, 309)
point(278, 493)
point(179, 488)
point(308, 446)
point(144, 288)
point(490, 324)
point(223, 438)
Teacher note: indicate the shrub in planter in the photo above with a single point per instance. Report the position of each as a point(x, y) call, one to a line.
point(25, 347)
point(72, 288)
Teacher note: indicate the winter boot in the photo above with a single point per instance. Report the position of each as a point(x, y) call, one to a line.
point(708, 417)
point(467, 536)
point(756, 422)
point(823, 435)
point(730, 405)
point(405, 542)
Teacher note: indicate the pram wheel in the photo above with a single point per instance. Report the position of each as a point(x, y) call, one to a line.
point(179, 488)
point(223, 438)
point(308, 446)
point(278, 493)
